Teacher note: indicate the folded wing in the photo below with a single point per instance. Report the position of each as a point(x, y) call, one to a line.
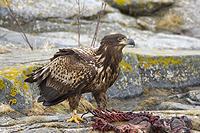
point(66, 75)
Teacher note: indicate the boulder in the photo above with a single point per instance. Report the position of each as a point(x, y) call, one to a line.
point(168, 68)
point(14, 91)
point(26, 10)
point(188, 10)
point(140, 7)
point(52, 39)
point(194, 95)
point(176, 106)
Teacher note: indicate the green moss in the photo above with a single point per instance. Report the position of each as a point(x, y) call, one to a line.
point(2, 85)
point(150, 5)
point(125, 66)
point(149, 61)
point(122, 2)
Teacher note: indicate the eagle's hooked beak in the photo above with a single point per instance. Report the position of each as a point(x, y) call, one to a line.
point(127, 42)
point(131, 42)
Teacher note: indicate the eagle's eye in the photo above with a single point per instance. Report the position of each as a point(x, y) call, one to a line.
point(121, 39)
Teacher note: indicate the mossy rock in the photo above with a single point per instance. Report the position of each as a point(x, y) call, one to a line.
point(14, 91)
point(140, 7)
point(169, 71)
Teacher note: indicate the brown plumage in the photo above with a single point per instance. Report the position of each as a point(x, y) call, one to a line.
point(72, 72)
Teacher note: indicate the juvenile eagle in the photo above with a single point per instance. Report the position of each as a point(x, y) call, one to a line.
point(72, 72)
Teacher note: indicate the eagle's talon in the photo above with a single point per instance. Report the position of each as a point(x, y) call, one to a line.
point(75, 118)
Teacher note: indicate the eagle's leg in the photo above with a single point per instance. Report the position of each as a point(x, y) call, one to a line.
point(101, 99)
point(73, 103)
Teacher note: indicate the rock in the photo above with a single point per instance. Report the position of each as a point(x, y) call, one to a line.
point(14, 91)
point(15, 40)
point(42, 123)
point(169, 69)
point(178, 19)
point(143, 39)
point(138, 7)
point(57, 122)
point(176, 106)
point(26, 10)
point(147, 23)
point(188, 10)
point(194, 95)
point(122, 19)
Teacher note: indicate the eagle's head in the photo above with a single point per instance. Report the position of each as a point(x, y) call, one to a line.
point(117, 41)
point(114, 43)
point(110, 51)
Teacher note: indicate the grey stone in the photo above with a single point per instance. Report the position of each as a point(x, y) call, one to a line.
point(169, 70)
point(138, 7)
point(188, 10)
point(194, 95)
point(143, 39)
point(27, 10)
point(176, 106)
point(117, 17)
point(14, 95)
point(181, 18)
point(43, 123)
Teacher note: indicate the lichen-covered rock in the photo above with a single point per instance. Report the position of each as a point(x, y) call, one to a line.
point(167, 71)
point(140, 7)
point(14, 91)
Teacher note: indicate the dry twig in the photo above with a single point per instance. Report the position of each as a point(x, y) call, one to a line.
point(78, 21)
point(103, 7)
point(20, 28)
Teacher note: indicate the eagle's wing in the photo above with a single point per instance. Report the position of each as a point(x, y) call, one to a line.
point(66, 74)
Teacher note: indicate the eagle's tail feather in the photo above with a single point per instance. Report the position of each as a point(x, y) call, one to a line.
point(38, 75)
point(30, 79)
point(56, 101)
